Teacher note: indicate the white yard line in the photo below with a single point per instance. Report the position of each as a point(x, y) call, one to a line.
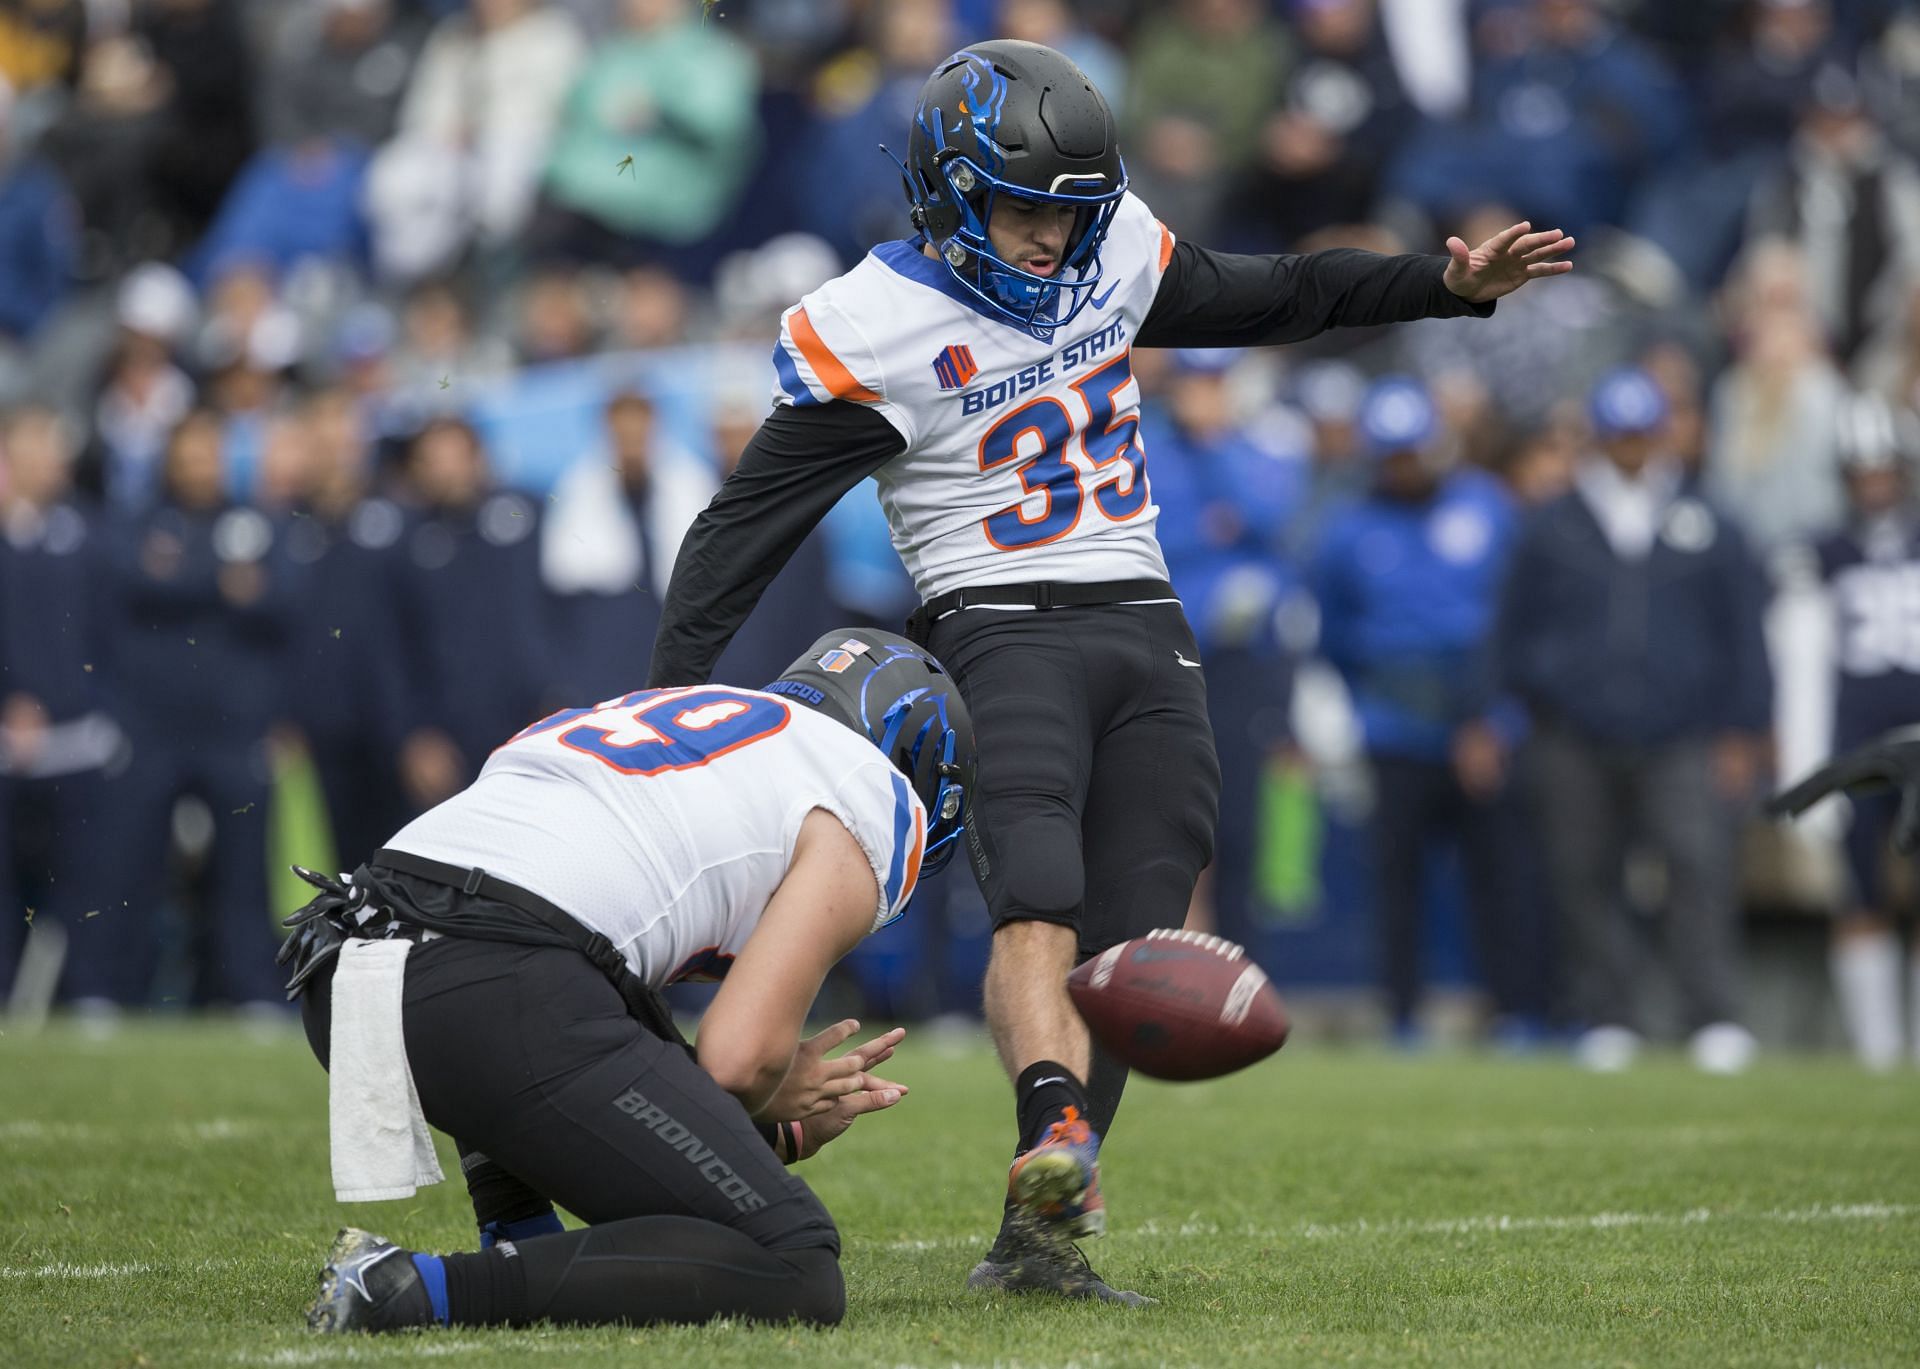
point(65, 1269)
point(27, 1130)
point(424, 1347)
point(1490, 1224)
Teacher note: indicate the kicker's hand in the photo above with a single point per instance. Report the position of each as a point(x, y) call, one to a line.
point(1505, 262)
point(815, 1084)
point(1889, 761)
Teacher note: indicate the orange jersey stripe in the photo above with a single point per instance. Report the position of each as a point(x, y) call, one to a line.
point(913, 859)
point(1166, 244)
point(836, 377)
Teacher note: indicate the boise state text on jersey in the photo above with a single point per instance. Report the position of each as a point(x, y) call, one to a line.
point(1017, 439)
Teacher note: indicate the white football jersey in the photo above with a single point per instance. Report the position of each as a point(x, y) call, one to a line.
point(665, 819)
point(1023, 460)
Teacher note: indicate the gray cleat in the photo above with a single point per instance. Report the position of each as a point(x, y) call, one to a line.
point(365, 1288)
point(1035, 1257)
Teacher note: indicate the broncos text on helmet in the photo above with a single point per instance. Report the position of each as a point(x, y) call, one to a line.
point(902, 700)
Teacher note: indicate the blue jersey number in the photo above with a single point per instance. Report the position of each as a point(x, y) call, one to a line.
point(1048, 472)
point(650, 732)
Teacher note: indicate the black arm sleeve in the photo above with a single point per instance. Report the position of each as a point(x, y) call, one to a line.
point(1218, 299)
point(793, 470)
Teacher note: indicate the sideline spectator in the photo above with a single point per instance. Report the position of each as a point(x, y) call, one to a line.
point(1752, 90)
point(1850, 201)
point(37, 222)
point(554, 318)
point(144, 395)
point(607, 547)
point(1872, 573)
point(337, 70)
point(463, 167)
point(1568, 111)
point(1341, 114)
point(438, 344)
point(203, 598)
point(1226, 494)
point(473, 622)
point(1773, 411)
point(656, 138)
point(159, 125)
point(1631, 628)
point(58, 741)
point(1407, 581)
point(848, 192)
point(1204, 75)
point(346, 689)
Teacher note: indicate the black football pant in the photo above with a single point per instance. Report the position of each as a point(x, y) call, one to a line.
point(1098, 787)
point(527, 1056)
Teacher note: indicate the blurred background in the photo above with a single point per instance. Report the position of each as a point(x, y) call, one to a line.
point(362, 363)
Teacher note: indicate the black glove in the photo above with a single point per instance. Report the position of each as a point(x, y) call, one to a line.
point(319, 929)
point(1889, 761)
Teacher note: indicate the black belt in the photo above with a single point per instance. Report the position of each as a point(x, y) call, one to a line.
point(1043, 595)
point(644, 1003)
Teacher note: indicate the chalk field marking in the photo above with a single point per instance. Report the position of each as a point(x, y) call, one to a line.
point(1607, 1221)
point(388, 1350)
point(65, 1269)
point(1491, 1224)
point(27, 1130)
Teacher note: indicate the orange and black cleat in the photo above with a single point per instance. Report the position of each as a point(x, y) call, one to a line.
point(1058, 1181)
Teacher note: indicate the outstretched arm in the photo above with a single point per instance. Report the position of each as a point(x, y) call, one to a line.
point(803, 459)
point(1889, 761)
point(1221, 299)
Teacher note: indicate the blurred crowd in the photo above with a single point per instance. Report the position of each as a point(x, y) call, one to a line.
point(364, 361)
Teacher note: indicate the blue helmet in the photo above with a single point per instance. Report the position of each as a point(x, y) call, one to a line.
point(1008, 118)
point(1626, 402)
point(1396, 415)
point(901, 699)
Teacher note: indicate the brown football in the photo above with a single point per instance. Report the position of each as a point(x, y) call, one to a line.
point(1180, 1005)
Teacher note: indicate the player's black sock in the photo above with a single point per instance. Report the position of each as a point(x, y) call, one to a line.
point(504, 1208)
point(1106, 1081)
point(1044, 1091)
point(640, 1271)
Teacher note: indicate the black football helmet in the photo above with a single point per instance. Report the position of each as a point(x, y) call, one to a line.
point(1013, 118)
point(901, 699)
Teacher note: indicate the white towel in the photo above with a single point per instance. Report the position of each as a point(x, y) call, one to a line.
point(381, 1146)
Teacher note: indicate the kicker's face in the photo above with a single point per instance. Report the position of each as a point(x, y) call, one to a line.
point(1030, 235)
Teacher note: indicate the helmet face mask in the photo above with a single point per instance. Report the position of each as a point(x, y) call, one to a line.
point(1014, 120)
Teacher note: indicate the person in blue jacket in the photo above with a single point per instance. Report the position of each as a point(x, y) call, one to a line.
point(1631, 627)
point(58, 740)
point(203, 601)
point(346, 540)
point(1227, 494)
point(473, 619)
point(1407, 581)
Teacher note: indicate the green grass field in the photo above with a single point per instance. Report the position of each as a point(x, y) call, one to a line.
point(164, 1199)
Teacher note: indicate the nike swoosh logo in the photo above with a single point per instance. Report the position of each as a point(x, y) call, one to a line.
point(1190, 665)
point(1100, 301)
point(1050, 1079)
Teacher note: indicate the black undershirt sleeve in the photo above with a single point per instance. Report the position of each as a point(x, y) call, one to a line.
point(793, 470)
point(1220, 299)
